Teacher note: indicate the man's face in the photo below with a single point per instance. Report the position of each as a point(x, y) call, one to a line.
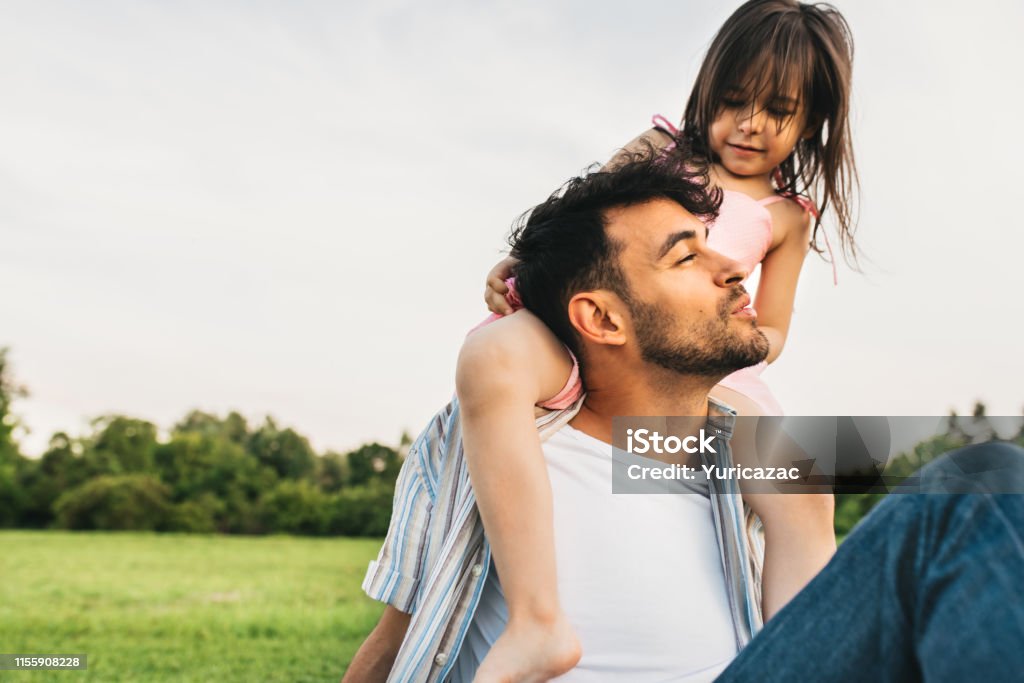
point(690, 314)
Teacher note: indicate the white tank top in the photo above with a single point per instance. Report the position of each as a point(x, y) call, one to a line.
point(639, 575)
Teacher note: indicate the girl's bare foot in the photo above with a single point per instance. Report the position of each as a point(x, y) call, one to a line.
point(531, 652)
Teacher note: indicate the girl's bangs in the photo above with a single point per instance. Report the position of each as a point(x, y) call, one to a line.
point(781, 69)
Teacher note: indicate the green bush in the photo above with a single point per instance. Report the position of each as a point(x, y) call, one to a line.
point(241, 515)
point(12, 497)
point(361, 510)
point(135, 502)
point(294, 507)
point(197, 516)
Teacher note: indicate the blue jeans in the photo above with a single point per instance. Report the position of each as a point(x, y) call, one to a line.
point(928, 587)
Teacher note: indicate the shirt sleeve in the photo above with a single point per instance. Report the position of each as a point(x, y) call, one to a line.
point(393, 577)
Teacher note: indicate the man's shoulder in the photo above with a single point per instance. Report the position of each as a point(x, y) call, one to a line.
point(434, 442)
point(442, 423)
point(442, 437)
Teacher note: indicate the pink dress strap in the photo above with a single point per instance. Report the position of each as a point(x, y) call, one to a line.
point(661, 123)
point(665, 126)
point(573, 389)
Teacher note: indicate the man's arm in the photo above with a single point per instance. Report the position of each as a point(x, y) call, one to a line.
point(393, 578)
point(376, 655)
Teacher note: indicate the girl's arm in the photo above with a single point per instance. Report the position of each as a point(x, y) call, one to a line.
point(799, 539)
point(780, 271)
point(651, 138)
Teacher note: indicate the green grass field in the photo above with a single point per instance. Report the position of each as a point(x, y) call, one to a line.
point(170, 607)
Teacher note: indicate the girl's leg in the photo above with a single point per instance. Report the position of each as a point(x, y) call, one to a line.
point(513, 493)
point(504, 369)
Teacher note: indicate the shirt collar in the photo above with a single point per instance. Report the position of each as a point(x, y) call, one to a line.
point(721, 417)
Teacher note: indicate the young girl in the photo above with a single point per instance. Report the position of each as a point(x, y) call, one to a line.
point(769, 108)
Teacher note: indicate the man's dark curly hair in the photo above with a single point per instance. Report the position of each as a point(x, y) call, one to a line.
point(562, 247)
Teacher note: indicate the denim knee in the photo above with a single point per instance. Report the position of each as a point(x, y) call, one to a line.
point(994, 467)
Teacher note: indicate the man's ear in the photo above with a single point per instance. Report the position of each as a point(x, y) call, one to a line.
point(597, 317)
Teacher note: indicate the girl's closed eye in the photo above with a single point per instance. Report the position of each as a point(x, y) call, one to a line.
point(686, 259)
point(782, 107)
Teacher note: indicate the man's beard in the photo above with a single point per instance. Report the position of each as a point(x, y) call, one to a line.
point(708, 350)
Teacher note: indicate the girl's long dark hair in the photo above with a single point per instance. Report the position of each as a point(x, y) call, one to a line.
point(776, 47)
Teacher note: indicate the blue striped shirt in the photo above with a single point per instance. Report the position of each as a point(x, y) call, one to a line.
point(435, 556)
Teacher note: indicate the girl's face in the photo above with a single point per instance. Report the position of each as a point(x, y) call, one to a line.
point(751, 138)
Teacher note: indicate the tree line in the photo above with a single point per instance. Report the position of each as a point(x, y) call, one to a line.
point(210, 473)
point(221, 474)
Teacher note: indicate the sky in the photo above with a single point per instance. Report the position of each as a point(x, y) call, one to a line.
point(289, 208)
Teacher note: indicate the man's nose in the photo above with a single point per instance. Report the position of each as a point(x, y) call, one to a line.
point(730, 272)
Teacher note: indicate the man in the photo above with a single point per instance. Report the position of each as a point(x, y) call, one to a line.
point(658, 587)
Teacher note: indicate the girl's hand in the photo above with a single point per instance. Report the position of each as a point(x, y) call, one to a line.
point(496, 289)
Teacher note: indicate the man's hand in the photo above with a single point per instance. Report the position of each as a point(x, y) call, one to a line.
point(376, 656)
